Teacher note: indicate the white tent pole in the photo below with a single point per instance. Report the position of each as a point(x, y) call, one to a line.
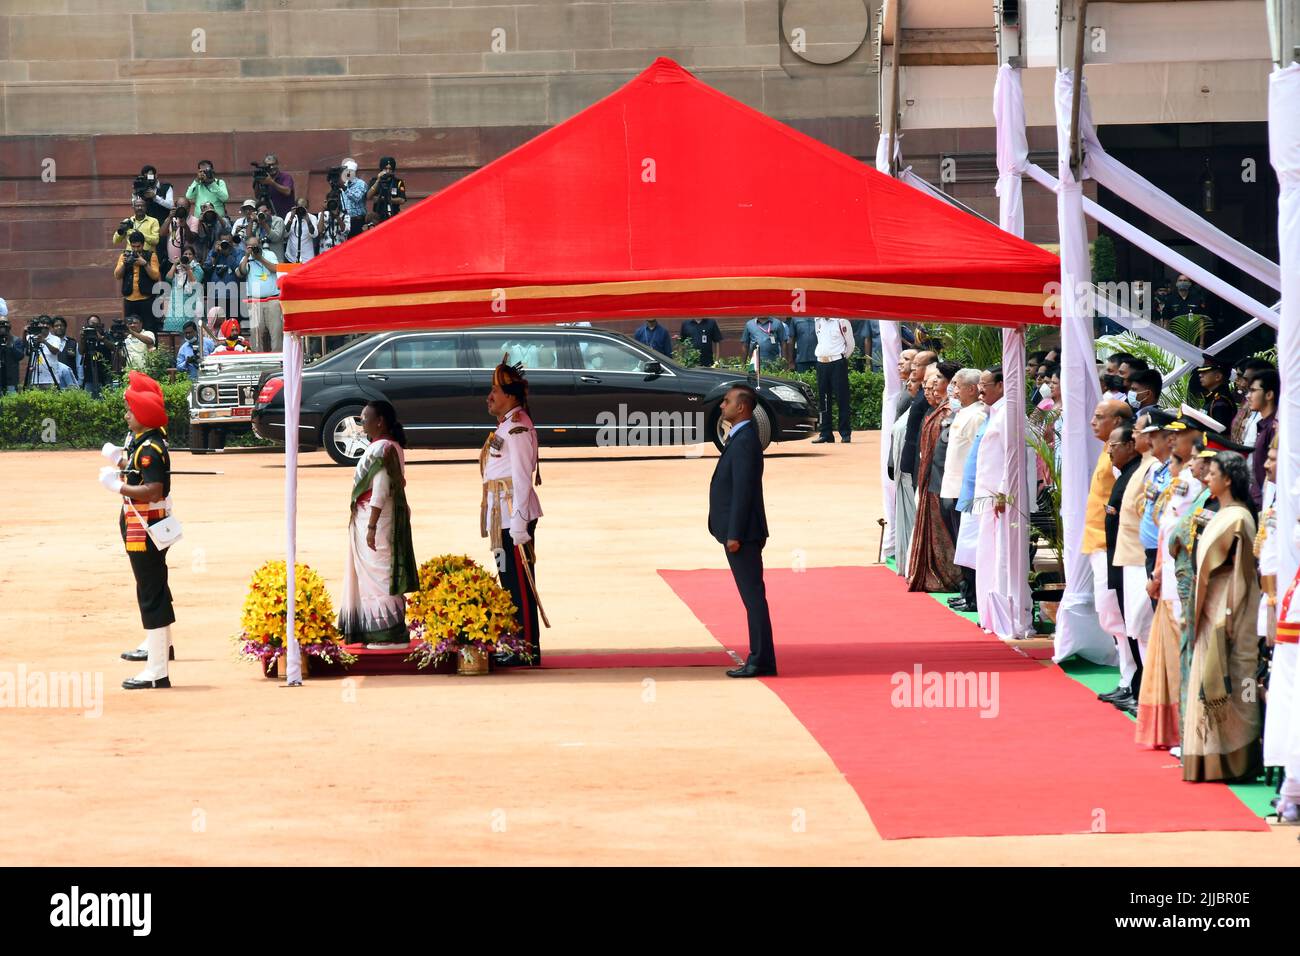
point(891, 348)
point(292, 408)
point(1013, 618)
point(1077, 628)
point(1284, 154)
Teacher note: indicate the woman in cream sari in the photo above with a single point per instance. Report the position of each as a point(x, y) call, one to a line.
point(381, 567)
point(1222, 723)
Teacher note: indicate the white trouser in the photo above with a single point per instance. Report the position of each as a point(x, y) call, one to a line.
point(1110, 617)
point(1137, 608)
point(156, 642)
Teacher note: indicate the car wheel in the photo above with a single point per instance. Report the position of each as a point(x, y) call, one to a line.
point(345, 441)
point(762, 421)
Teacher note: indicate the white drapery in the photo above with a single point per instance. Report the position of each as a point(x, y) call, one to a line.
point(1284, 151)
point(1011, 609)
point(891, 347)
point(1077, 629)
point(292, 408)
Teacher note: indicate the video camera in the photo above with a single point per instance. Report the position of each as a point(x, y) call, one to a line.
point(117, 331)
point(4, 331)
point(142, 184)
point(334, 176)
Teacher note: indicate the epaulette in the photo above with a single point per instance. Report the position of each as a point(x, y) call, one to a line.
point(518, 428)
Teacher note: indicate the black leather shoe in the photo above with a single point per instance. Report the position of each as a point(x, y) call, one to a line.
point(144, 655)
point(954, 601)
point(1115, 694)
point(752, 670)
point(961, 608)
point(846, 439)
point(1128, 703)
point(822, 438)
point(507, 659)
point(132, 684)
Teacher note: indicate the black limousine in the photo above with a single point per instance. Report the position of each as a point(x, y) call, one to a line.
point(587, 386)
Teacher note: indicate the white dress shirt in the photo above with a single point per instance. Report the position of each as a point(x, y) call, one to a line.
point(961, 436)
point(834, 339)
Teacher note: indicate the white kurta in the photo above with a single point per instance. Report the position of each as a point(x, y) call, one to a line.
point(961, 436)
point(368, 575)
point(904, 499)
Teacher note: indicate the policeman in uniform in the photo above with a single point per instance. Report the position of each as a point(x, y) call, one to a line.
point(510, 509)
point(1214, 385)
point(142, 476)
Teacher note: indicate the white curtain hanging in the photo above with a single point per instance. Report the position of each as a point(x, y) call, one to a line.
point(1284, 150)
point(891, 347)
point(1077, 629)
point(1011, 608)
point(292, 408)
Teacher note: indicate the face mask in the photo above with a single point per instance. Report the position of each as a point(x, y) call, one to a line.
point(1133, 398)
point(1045, 391)
point(1184, 286)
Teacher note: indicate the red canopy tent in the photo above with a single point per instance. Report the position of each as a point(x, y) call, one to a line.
point(670, 198)
point(666, 198)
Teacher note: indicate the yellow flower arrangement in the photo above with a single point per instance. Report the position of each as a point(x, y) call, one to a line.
point(460, 604)
point(263, 619)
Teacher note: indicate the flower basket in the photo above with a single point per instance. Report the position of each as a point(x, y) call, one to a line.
point(460, 610)
point(261, 637)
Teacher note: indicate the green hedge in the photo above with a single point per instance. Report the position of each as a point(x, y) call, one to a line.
point(865, 388)
point(40, 418)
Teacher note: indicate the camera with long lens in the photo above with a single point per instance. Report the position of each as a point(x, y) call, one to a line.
point(124, 227)
point(5, 332)
point(260, 172)
point(141, 185)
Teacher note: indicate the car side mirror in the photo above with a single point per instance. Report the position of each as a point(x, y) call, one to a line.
point(654, 368)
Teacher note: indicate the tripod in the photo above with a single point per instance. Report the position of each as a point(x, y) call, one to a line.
point(38, 357)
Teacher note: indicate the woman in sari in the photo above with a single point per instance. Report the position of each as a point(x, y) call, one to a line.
point(381, 567)
point(930, 564)
point(1222, 721)
point(1158, 715)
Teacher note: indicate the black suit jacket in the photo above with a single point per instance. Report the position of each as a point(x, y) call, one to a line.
point(736, 510)
point(916, 413)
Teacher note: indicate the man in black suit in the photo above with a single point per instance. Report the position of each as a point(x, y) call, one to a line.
point(738, 521)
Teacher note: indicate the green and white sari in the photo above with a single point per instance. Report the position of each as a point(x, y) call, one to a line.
point(377, 580)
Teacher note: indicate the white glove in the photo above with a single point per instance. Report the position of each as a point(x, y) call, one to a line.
point(108, 478)
point(112, 452)
point(521, 536)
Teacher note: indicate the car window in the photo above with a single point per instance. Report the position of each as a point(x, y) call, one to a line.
point(535, 351)
point(415, 352)
point(425, 352)
point(602, 355)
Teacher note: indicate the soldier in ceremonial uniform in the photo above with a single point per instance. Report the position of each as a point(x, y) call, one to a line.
point(142, 476)
point(1214, 386)
point(510, 509)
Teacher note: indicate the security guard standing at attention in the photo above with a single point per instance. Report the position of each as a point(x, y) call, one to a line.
point(142, 476)
point(510, 509)
point(1214, 385)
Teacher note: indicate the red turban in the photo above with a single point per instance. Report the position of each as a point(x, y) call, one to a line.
point(145, 399)
point(230, 329)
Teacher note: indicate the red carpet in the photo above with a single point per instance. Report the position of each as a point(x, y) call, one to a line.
point(1053, 759)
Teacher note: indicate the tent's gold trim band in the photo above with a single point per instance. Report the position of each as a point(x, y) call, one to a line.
point(646, 286)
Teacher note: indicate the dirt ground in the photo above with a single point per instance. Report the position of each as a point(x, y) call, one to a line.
point(549, 767)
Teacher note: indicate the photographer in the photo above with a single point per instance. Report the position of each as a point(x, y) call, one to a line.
point(210, 228)
point(43, 347)
point(139, 221)
point(300, 234)
point(69, 359)
point(11, 353)
point(352, 193)
point(178, 230)
point(270, 229)
point(387, 191)
point(139, 343)
point(157, 196)
point(247, 217)
point(332, 225)
point(265, 320)
point(98, 352)
point(185, 299)
point(196, 347)
point(221, 268)
point(138, 270)
point(207, 188)
point(274, 185)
